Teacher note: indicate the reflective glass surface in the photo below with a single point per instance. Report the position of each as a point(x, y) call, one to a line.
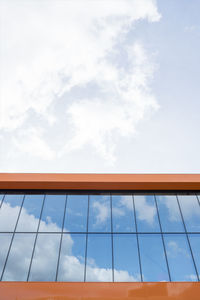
point(76, 213)
point(5, 239)
point(99, 213)
point(195, 244)
point(72, 258)
point(191, 212)
point(169, 213)
point(126, 262)
point(19, 257)
point(103, 237)
point(123, 214)
point(45, 259)
point(9, 212)
point(1, 198)
point(153, 261)
point(146, 214)
point(99, 258)
point(30, 213)
point(179, 258)
point(53, 213)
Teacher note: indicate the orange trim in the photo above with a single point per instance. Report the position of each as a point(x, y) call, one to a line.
point(103, 291)
point(100, 181)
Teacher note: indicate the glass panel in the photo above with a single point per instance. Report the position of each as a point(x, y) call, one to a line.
point(146, 214)
point(126, 262)
point(76, 213)
point(5, 239)
point(99, 258)
point(169, 212)
point(191, 212)
point(45, 258)
point(123, 214)
point(9, 212)
point(195, 244)
point(72, 258)
point(19, 258)
point(179, 258)
point(30, 213)
point(1, 198)
point(154, 267)
point(99, 214)
point(53, 213)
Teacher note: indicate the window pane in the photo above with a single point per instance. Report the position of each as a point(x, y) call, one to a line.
point(195, 244)
point(146, 214)
point(99, 258)
point(126, 262)
point(191, 212)
point(179, 258)
point(30, 213)
point(72, 258)
point(45, 258)
point(76, 213)
point(169, 212)
point(53, 213)
point(123, 214)
point(19, 258)
point(1, 198)
point(99, 214)
point(9, 212)
point(5, 239)
point(154, 267)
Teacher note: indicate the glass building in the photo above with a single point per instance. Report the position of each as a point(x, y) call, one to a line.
point(99, 228)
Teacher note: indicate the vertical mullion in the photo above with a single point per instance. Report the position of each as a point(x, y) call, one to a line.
point(113, 278)
point(12, 238)
point(2, 200)
point(196, 196)
point(86, 241)
point(163, 239)
point(138, 246)
point(187, 238)
point(36, 236)
point(61, 238)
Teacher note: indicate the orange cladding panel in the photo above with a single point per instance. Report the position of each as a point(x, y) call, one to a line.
point(100, 181)
point(103, 291)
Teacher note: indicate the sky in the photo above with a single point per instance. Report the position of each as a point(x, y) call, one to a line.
point(100, 86)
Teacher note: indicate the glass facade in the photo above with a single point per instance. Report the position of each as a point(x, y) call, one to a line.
point(99, 237)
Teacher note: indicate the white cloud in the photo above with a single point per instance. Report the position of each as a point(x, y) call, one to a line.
point(145, 211)
point(51, 47)
point(102, 212)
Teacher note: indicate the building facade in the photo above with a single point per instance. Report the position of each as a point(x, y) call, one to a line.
point(99, 236)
